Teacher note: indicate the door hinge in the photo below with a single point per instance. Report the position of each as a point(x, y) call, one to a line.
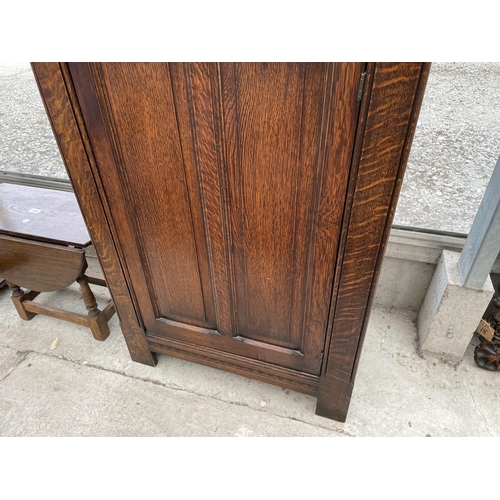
point(361, 86)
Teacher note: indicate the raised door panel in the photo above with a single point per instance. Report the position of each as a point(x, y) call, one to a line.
point(228, 182)
point(140, 119)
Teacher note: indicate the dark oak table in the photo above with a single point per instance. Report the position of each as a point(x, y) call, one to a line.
point(42, 248)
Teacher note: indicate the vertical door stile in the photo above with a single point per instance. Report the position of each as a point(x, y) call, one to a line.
point(184, 118)
point(202, 92)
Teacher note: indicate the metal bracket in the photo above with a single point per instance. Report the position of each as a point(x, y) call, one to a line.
point(361, 86)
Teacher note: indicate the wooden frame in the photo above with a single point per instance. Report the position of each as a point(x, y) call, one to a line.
point(56, 91)
point(390, 104)
point(387, 123)
point(96, 320)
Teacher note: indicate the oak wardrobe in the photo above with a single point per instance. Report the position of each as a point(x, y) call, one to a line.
point(240, 211)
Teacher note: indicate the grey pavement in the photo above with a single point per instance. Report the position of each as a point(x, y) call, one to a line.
point(27, 144)
point(90, 388)
point(455, 149)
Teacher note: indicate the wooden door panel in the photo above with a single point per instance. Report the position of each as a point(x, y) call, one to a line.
point(272, 173)
point(150, 162)
point(234, 177)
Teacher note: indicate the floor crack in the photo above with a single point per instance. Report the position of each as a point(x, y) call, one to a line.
point(175, 388)
point(477, 407)
point(23, 356)
point(235, 403)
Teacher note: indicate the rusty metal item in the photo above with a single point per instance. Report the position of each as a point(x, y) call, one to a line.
point(487, 355)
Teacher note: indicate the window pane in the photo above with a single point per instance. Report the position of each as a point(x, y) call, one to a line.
point(27, 144)
point(455, 149)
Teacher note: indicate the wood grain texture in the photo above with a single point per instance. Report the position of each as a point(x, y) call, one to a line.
point(96, 320)
point(18, 297)
point(250, 165)
point(257, 369)
point(281, 148)
point(199, 81)
point(142, 119)
point(395, 97)
point(417, 104)
point(39, 266)
point(173, 262)
point(182, 99)
point(265, 133)
point(42, 215)
point(98, 324)
point(58, 97)
point(108, 182)
point(333, 189)
point(240, 346)
point(277, 133)
point(55, 312)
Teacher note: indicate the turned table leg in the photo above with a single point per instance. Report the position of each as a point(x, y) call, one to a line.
point(18, 297)
point(88, 296)
point(98, 320)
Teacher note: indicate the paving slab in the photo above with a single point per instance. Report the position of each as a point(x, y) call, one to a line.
point(399, 393)
point(46, 396)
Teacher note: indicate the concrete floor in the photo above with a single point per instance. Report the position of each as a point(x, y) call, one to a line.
point(455, 148)
point(90, 388)
point(27, 144)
